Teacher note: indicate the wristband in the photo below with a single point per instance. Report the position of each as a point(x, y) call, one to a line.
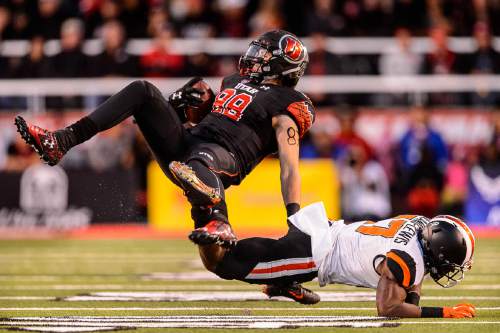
point(292, 208)
point(431, 312)
point(412, 298)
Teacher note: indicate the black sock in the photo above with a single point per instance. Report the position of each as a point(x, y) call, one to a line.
point(201, 216)
point(79, 132)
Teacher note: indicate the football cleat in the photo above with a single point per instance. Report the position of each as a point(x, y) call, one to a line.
point(215, 232)
point(43, 141)
point(294, 291)
point(196, 190)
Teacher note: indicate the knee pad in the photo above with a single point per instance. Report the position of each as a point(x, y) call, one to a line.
point(218, 160)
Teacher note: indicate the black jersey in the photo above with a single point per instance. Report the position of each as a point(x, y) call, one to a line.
point(241, 118)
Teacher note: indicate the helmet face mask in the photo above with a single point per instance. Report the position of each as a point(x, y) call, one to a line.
point(449, 274)
point(448, 246)
point(256, 57)
point(275, 55)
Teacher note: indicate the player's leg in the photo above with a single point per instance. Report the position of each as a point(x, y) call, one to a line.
point(280, 264)
point(206, 171)
point(270, 261)
point(156, 118)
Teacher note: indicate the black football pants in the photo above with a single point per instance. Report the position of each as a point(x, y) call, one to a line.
point(169, 140)
point(270, 261)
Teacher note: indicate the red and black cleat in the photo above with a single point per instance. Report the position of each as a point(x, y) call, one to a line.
point(43, 142)
point(195, 188)
point(215, 232)
point(294, 291)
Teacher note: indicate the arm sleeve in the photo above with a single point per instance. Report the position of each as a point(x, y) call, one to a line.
point(402, 266)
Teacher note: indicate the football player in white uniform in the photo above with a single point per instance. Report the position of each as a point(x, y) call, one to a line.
point(391, 256)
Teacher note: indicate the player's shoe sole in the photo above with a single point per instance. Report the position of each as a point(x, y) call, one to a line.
point(37, 137)
point(206, 195)
point(293, 291)
point(215, 232)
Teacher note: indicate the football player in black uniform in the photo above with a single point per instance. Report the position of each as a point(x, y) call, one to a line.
point(257, 112)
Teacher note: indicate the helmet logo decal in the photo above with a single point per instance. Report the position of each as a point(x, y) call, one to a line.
point(292, 48)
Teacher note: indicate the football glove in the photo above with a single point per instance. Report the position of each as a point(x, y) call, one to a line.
point(459, 311)
point(186, 96)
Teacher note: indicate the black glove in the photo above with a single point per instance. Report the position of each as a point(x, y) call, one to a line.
point(186, 96)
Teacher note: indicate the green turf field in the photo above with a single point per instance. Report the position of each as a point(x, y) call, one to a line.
point(114, 283)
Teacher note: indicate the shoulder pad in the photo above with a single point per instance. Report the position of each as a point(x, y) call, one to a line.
point(402, 266)
point(304, 96)
point(228, 80)
point(303, 114)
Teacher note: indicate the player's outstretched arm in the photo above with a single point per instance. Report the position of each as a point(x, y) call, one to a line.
point(391, 301)
point(287, 136)
point(391, 296)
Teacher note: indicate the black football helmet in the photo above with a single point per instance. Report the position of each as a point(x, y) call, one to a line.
point(448, 246)
point(275, 54)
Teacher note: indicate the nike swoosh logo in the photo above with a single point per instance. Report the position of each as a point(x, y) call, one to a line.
point(297, 296)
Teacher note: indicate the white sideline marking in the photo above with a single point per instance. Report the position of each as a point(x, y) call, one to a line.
point(100, 323)
point(275, 325)
point(192, 276)
point(197, 276)
point(96, 260)
point(179, 309)
point(211, 318)
point(36, 278)
point(468, 287)
point(222, 296)
point(87, 323)
point(240, 296)
point(184, 276)
point(124, 287)
point(207, 296)
point(63, 329)
point(38, 255)
point(27, 298)
point(302, 309)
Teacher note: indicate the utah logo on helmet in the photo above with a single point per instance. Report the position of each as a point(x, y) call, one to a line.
point(292, 48)
point(275, 54)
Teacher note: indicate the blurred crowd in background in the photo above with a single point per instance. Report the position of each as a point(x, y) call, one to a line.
point(419, 172)
point(116, 21)
point(24, 19)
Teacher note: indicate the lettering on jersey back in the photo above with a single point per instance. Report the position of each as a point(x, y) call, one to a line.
point(246, 88)
point(405, 234)
point(399, 228)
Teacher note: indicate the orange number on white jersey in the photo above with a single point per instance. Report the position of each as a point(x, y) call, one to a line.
point(368, 228)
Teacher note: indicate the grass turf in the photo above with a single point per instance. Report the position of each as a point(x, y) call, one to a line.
point(58, 268)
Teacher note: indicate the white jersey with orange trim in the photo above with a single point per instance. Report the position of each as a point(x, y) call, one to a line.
point(350, 253)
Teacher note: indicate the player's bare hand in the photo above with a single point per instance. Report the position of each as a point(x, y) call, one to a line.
point(460, 311)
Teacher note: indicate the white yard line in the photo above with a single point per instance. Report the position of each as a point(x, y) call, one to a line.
point(27, 298)
point(126, 287)
point(96, 260)
point(222, 286)
point(99, 323)
point(39, 255)
point(241, 296)
point(306, 309)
